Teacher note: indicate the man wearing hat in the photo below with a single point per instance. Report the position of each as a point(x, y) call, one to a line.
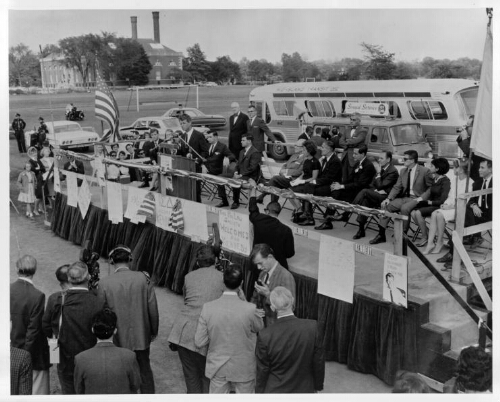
point(41, 133)
point(18, 126)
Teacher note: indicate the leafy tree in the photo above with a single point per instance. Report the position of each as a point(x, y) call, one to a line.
point(131, 61)
point(178, 75)
point(380, 63)
point(49, 49)
point(24, 66)
point(196, 63)
point(293, 67)
point(260, 70)
point(244, 67)
point(76, 47)
point(224, 70)
point(405, 71)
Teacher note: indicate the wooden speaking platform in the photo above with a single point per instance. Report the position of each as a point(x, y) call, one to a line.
point(183, 187)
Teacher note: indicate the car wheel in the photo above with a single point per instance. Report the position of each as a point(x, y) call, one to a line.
point(277, 151)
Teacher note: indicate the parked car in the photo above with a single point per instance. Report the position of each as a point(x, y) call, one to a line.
point(145, 124)
point(395, 135)
point(199, 118)
point(211, 84)
point(65, 135)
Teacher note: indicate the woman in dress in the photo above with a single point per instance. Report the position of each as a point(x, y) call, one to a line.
point(310, 172)
point(439, 191)
point(26, 183)
point(446, 212)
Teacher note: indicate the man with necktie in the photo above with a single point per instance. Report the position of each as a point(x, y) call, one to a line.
point(237, 127)
point(356, 137)
point(257, 127)
point(18, 125)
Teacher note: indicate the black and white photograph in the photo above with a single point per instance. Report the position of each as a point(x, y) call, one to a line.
point(225, 198)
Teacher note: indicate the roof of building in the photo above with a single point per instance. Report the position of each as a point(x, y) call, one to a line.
point(153, 48)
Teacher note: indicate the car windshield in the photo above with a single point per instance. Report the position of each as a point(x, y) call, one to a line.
point(67, 127)
point(406, 134)
point(193, 112)
point(172, 123)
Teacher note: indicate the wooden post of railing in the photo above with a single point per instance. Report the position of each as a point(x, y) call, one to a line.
point(398, 236)
point(459, 228)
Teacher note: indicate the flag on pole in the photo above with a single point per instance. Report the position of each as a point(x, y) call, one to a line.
point(481, 143)
point(177, 217)
point(106, 109)
point(148, 205)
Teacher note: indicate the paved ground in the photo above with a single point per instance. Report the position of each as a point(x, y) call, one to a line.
point(33, 237)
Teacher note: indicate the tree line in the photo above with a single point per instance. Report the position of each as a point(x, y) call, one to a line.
point(123, 59)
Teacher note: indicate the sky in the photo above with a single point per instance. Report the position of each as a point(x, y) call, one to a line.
point(327, 33)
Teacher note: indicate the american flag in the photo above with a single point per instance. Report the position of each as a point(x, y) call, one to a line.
point(148, 205)
point(177, 217)
point(106, 109)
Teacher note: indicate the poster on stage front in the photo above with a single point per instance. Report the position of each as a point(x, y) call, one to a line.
point(72, 187)
point(84, 198)
point(336, 268)
point(195, 219)
point(395, 280)
point(134, 201)
point(115, 203)
point(234, 229)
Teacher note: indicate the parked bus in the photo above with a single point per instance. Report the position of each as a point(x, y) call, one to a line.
point(441, 106)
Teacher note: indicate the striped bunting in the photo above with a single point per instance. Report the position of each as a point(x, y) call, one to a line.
point(177, 217)
point(148, 205)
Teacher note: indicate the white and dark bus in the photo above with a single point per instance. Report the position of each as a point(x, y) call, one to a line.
point(441, 106)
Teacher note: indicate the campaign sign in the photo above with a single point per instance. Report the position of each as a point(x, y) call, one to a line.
point(371, 109)
point(234, 231)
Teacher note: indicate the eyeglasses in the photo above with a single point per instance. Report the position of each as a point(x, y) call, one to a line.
point(251, 111)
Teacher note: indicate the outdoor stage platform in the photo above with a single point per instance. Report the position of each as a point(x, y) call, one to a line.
point(370, 335)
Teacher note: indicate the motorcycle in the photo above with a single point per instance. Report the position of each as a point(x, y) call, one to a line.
point(75, 115)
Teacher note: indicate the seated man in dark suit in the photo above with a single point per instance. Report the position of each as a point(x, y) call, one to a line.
point(106, 368)
point(269, 230)
point(381, 185)
point(479, 209)
point(248, 166)
point(363, 173)
point(290, 354)
point(289, 171)
point(331, 170)
point(151, 147)
point(217, 151)
point(413, 186)
point(74, 165)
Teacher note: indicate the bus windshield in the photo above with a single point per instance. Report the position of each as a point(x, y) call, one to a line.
point(406, 134)
point(469, 99)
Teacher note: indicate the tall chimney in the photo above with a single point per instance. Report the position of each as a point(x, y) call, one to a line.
point(134, 27)
point(156, 26)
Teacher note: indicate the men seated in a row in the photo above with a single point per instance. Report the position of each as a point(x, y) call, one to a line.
point(292, 169)
point(330, 171)
point(383, 181)
point(360, 178)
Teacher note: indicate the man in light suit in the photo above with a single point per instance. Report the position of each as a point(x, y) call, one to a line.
point(257, 127)
point(381, 185)
point(290, 355)
point(229, 327)
point(217, 151)
point(26, 312)
point(248, 166)
point(106, 368)
point(237, 127)
point(413, 186)
point(272, 275)
point(349, 141)
point(200, 286)
point(197, 149)
point(131, 295)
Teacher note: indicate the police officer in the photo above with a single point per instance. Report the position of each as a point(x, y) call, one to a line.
point(18, 126)
point(41, 133)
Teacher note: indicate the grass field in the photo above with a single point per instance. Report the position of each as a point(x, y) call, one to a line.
point(212, 100)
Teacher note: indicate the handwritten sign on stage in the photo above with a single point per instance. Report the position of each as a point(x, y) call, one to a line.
point(195, 219)
point(57, 180)
point(84, 197)
point(134, 202)
point(395, 279)
point(99, 171)
point(336, 268)
point(235, 231)
point(115, 203)
point(164, 206)
point(72, 189)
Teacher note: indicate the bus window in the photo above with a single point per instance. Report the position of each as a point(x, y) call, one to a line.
point(469, 100)
point(418, 110)
point(438, 110)
point(320, 108)
point(379, 135)
point(280, 108)
point(258, 107)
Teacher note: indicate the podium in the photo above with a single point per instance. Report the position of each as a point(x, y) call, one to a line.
point(184, 187)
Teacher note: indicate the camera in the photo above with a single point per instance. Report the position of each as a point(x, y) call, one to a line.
point(91, 258)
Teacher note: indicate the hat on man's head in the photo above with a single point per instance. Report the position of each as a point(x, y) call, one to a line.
point(40, 118)
point(18, 115)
